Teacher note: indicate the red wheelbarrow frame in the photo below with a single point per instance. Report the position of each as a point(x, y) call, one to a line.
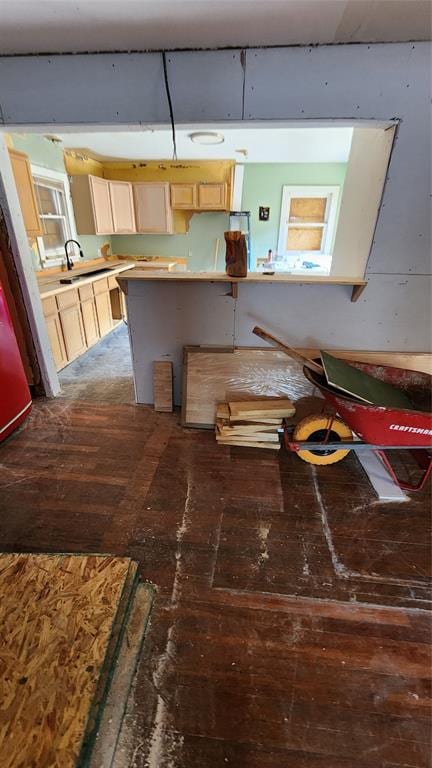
point(378, 428)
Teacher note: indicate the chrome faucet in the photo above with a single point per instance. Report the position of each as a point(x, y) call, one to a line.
point(69, 262)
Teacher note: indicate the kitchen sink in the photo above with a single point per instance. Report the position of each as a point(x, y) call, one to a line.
point(74, 278)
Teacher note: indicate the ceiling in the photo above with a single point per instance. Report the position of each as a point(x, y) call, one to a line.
point(50, 26)
point(257, 144)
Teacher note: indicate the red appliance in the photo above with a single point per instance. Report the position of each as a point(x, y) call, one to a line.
point(15, 400)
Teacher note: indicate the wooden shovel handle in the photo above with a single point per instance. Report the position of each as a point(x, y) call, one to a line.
point(294, 353)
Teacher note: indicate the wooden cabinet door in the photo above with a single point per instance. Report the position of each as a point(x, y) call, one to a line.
point(73, 331)
point(122, 206)
point(26, 192)
point(152, 207)
point(90, 323)
point(101, 201)
point(212, 197)
point(103, 311)
point(184, 196)
point(55, 336)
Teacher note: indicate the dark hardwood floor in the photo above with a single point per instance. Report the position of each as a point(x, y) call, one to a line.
point(290, 627)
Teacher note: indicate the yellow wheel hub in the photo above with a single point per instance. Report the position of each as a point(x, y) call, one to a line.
point(314, 430)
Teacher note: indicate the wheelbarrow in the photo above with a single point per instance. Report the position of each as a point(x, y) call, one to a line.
point(347, 424)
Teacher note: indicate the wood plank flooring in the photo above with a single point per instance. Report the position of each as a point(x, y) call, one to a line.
point(290, 627)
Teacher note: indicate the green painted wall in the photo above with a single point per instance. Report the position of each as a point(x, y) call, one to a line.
point(47, 154)
point(197, 245)
point(40, 150)
point(262, 185)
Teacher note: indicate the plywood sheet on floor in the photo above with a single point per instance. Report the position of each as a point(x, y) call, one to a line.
point(60, 621)
point(212, 376)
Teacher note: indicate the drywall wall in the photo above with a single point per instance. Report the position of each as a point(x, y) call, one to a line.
point(47, 154)
point(163, 317)
point(262, 185)
point(345, 82)
point(363, 188)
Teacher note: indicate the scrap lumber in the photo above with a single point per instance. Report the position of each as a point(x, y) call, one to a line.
point(265, 409)
point(240, 423)
point(250, 444)
point(163, 385)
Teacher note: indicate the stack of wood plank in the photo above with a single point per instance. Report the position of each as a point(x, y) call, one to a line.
point(252, 423)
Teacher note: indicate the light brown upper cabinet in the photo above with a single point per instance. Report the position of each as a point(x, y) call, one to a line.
point(199, 197)
point(153, 213)
point(26, 192)
point(184, 196)
point(212, 197)
point(92, 205)
point(122, 205)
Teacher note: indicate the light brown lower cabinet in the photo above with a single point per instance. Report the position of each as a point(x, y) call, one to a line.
point(103, 310)
point(55, 336)
point(77, 318)
point(91, 327)
point(73, 331)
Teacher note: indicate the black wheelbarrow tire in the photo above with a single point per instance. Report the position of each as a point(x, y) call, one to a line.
point(313, 429)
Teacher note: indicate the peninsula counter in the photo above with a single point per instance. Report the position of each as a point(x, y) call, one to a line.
point(169, 310)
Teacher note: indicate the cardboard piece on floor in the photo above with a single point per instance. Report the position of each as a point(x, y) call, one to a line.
point(379, 477)
point(355, 382)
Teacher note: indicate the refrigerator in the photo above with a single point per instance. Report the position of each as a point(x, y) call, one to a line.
point(15, 399)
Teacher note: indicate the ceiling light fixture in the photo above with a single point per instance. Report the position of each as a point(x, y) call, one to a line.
point(207, 137)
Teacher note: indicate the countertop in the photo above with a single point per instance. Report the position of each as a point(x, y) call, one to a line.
point(137, 274)
point(52, 286)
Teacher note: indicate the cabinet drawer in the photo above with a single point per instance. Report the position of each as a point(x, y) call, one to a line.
point(112, 283)
point(49, 306)
point(67, 299)
point(86, 292)
point(100, 286)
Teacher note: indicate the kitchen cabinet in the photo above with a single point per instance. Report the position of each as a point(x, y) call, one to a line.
point(199, 197)
point(71, 323)
point(55, 333)
point(26, 192)
point(184, 196)
point(103, 306)
point(92, 205)
point(212, 197)
point(77, 318)
point(73, 332)
point(90, 323)
point(89, 316)
point(153, 213)
point(103, 311)
point(122, 206)
point(104, 207)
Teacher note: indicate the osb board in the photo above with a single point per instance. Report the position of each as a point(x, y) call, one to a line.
point(213, 375)
point(60, 620)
